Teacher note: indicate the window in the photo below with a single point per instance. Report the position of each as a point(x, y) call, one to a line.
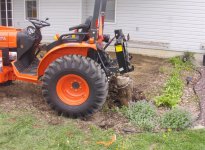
point(110, 11)
point(6, 11)
point(31, 9)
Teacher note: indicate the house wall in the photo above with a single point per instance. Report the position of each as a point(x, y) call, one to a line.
point(84, 10)
point(160, 24)
point(62, 13)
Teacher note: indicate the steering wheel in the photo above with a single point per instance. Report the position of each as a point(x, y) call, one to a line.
point(39, 23)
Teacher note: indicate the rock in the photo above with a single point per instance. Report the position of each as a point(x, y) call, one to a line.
point(129, 130)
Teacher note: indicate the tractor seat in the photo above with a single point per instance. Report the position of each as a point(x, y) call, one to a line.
point(79, 38)
point(85, 26)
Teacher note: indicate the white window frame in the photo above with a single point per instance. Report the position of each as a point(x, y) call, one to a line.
point(12, 13)
point(38, 9)
point(116, 2)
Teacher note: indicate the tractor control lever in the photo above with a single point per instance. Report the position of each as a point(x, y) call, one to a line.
point(108, 44)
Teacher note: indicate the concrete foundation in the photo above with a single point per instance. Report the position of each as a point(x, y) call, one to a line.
point(162, 53)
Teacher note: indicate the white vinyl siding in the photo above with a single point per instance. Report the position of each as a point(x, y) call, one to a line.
point(84, 9)
point(62, 14)
point(158, 24)
point(164, 24)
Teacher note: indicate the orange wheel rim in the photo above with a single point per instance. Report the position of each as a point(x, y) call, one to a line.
point(72, 89)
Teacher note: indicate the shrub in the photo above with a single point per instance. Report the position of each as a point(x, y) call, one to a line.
point(188, 57)
point(176, 119)
point(142, 114)
point(182, 64)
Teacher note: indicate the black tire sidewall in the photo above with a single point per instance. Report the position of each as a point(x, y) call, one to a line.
point(95, 78)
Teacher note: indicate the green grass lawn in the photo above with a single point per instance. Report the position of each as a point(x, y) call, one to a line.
point(22, 132)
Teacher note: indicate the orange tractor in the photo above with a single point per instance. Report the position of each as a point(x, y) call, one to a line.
point(75, 70)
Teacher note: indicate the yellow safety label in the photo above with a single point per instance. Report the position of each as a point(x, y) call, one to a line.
point(73, 36)
point(118, 48)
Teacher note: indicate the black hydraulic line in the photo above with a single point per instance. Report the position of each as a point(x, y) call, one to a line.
point(102, 63)
point(108, 44)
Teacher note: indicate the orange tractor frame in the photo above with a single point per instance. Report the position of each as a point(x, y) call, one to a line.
point(75, 70)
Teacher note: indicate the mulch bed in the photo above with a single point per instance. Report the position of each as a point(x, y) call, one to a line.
point(200, 91)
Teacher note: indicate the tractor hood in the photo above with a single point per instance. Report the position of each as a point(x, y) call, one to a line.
point(8, 37)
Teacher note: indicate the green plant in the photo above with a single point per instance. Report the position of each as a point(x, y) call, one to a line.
point(173, 89)
point(142, 114)
point(180, 64)
point(23, 131)
point(172, 92)
point(176, 119)
point(188, 56)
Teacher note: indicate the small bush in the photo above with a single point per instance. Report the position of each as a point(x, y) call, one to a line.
point(188, 56)
point(142, 114)
point(182, 64)
point(176, 119)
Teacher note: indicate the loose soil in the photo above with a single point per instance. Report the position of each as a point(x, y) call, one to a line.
point(200, 91)
point(149, 77)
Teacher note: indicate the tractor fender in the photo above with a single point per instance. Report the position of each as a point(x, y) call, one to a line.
point(62, 50)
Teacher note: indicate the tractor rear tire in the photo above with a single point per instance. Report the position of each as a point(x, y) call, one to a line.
point(75, 86)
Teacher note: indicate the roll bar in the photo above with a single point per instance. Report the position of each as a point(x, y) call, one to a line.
point(98, 13)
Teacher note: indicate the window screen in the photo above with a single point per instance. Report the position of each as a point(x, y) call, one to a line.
point(31, 9)
point(110, 11)
point(6, 18)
